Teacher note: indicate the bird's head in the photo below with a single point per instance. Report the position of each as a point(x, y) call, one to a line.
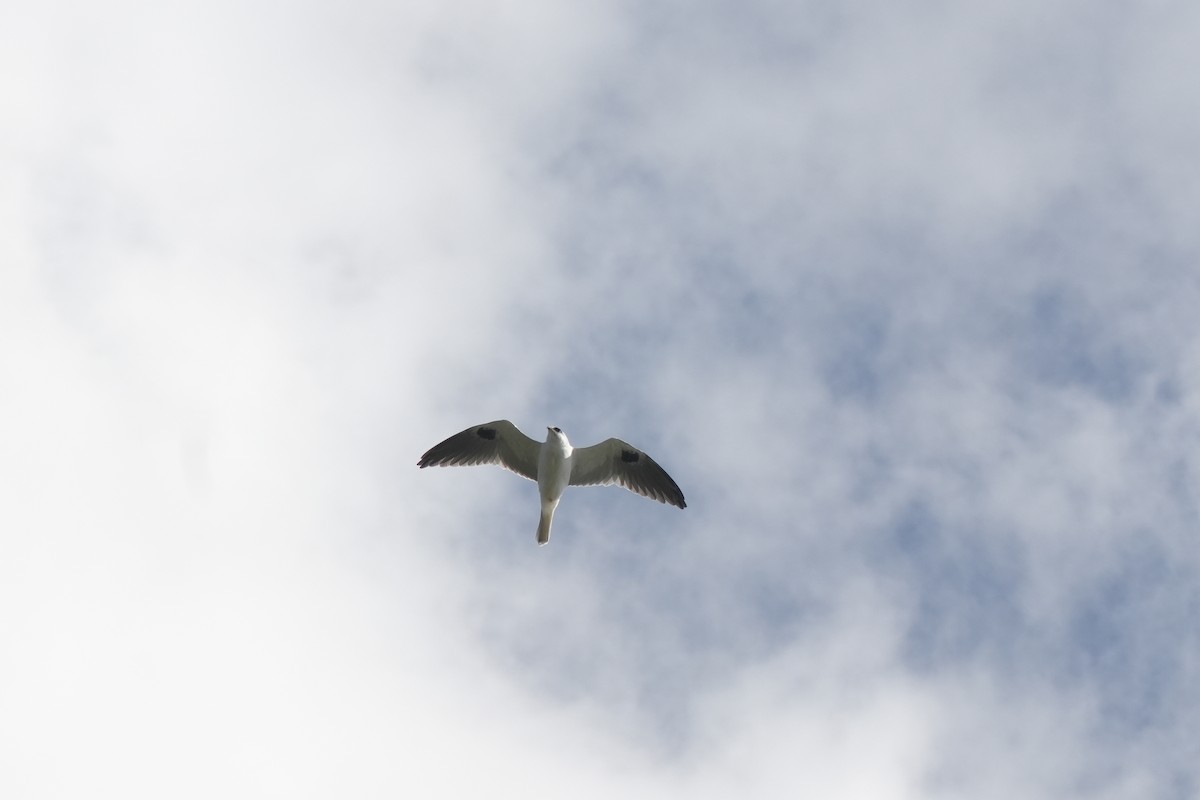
point(555, 433)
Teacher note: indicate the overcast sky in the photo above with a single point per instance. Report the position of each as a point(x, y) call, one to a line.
point(903, 295)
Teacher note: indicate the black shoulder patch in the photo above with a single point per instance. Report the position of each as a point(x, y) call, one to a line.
point(629, 456)
point(486, 433)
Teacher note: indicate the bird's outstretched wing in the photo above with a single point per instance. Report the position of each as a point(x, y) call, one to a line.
point(614, 461)
point(496, 442)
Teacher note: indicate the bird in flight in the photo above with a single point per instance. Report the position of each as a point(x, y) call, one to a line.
point(555, 465)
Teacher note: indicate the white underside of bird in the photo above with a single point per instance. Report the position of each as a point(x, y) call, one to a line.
point(555, 465)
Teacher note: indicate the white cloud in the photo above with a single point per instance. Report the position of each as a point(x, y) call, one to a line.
point(901, 297)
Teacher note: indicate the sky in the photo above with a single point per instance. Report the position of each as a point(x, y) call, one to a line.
point(903, 295)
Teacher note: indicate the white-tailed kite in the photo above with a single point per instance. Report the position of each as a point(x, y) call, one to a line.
point(555, 465)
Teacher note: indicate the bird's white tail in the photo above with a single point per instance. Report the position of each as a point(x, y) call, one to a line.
point(543, 535)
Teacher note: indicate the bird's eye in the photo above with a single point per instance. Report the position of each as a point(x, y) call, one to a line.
point(558, 430)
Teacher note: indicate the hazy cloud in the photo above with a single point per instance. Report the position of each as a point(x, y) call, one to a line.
point(902, 296)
